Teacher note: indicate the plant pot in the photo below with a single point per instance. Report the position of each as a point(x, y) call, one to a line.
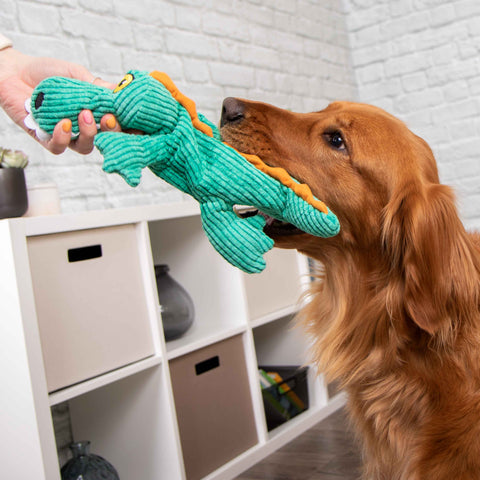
point(13, 192)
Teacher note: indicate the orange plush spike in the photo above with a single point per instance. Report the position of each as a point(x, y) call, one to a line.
point(186, 102)
point(280, 174)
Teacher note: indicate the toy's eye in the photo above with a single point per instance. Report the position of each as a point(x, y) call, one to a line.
point(126, 80)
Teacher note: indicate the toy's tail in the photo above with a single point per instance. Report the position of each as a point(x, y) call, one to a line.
point(308, 218)
point(280, 174)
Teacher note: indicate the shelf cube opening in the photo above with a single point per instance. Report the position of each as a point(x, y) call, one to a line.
point(213, 284)
point(284, 392)
point(130, 423)
point(277, 287)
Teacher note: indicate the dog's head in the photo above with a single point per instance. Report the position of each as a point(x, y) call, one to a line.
point(353, 156)
point(381, 181)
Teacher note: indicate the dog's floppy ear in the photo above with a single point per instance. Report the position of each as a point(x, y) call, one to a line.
point(432, 269)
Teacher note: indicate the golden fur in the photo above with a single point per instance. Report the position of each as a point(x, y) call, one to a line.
point(395, 317)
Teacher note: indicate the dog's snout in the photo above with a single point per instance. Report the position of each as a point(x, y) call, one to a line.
point(232, 110)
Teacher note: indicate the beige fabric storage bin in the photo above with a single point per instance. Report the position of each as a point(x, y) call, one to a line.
point(90, 302)
point(277, 287)
point(214, 406)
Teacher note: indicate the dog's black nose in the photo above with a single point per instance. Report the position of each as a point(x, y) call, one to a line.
point(232, 110)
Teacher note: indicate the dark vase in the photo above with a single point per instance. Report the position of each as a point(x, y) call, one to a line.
point(176, 304)
point(13, 192)
point(87, 466)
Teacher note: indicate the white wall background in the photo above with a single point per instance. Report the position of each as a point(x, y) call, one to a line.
point(293, 53)
point(420, 60)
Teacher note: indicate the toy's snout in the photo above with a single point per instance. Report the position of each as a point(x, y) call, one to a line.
point(39, 100)
point(233, 110)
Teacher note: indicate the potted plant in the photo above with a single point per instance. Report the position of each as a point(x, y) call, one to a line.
point(13, 189)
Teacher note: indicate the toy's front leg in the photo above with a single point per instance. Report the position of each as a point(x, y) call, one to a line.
point(240, 241)
point(127, 154)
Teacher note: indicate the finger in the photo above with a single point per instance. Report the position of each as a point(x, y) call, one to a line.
point(109, 123)
point(61, 137)
point(88, 129)
point(102, 83)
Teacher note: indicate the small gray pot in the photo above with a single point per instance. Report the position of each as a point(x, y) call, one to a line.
point(13, 192)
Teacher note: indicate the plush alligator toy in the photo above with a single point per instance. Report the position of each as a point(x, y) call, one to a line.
point(186, 150)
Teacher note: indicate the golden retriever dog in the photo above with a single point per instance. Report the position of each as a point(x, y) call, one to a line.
point(395, 316)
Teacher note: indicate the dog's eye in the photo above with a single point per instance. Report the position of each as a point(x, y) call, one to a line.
point(335, 140)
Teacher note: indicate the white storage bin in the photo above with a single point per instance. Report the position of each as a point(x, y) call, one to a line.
point(214, 407)
point(277, 287)
point(90, 301)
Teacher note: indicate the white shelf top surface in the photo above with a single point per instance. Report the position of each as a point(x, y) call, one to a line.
point(46, 224)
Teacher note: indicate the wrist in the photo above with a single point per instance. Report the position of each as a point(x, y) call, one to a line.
point(11, 61)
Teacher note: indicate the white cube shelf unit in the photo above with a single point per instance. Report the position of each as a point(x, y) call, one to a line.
point(80, 322)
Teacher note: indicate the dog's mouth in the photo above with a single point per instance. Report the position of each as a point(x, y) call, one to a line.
point(273, 227)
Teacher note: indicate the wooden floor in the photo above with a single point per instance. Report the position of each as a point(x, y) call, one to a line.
point(325, 452)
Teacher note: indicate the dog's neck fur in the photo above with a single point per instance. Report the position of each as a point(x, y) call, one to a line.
point(349, 286)
point(361, 327)
point(369, 348)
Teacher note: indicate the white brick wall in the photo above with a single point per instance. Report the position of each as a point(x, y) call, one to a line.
point(419, 59)
point(293, 53)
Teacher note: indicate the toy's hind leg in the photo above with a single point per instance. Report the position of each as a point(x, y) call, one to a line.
point(240, 241)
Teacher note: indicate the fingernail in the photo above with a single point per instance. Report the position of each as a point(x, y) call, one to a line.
point(111, 122)
point(67, 126)
point(87, 117)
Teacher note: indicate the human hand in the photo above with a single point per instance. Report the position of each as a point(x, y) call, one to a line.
point(19, 74)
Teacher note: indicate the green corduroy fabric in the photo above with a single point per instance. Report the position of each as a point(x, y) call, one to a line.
point(216, 175)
